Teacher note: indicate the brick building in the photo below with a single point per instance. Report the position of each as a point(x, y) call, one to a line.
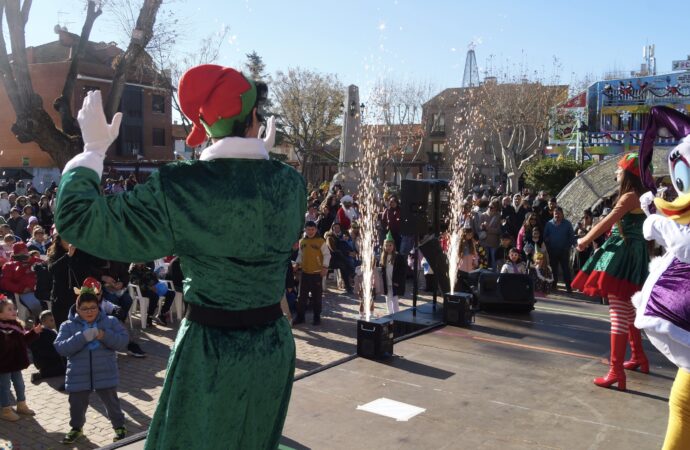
point(440, 117)
point(146, 130)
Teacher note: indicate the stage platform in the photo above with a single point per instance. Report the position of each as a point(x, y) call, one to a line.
point(507, 382)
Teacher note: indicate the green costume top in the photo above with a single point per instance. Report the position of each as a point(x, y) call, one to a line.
point(620, 266)
point(233, 223)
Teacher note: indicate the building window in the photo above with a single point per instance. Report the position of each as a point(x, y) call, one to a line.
point(158, 104)
point(437, 147)
point(131, 102)
point(159, 137)
point(438, 123)
point(130, 140)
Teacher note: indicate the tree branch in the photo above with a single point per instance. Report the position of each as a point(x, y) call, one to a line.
point(26, 8)
point(63, 103)
point(6, 68)
point(141, 36)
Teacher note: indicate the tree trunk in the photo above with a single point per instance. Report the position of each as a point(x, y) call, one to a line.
point(140, 38)
point(514, 182)
point(62, 104)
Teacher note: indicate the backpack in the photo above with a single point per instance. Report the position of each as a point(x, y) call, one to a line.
point(44, 282)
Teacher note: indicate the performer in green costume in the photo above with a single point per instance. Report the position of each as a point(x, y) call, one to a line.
point(232, 217)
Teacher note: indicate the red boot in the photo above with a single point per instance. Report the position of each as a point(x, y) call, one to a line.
point(638, 359)
point(616, 373)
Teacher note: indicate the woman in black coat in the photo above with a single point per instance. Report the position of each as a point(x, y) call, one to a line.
point(69, 267)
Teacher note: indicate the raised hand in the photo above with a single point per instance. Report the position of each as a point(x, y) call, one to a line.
point(97, 133)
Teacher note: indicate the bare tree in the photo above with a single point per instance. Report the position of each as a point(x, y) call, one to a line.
point(33, 124)
point(308, 105)
point(515, 116)
point(171, 65)
point(396, 107)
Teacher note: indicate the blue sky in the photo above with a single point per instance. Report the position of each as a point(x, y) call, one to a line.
point(425, 41)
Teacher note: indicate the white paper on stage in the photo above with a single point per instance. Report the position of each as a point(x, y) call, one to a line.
point(399, 411)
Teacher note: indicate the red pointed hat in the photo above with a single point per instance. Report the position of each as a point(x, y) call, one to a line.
point(215, 98)
point(631, 163)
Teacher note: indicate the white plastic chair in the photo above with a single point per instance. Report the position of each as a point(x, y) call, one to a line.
point(139, 301)
point(23, 312)
point(178, 303)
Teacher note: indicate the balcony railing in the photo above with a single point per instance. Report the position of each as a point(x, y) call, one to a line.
point(606, 138)
point(626, 95)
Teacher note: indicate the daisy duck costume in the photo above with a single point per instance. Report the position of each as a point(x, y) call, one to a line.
point(663, 305)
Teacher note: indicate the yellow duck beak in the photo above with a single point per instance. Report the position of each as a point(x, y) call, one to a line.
point(677, 210)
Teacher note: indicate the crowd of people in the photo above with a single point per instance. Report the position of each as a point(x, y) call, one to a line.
point(42, 277)
point(521, 233)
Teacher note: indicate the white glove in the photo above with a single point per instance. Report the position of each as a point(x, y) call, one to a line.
point(90, 334)
point(270, 128)
point(647, 203)
point(95, 130)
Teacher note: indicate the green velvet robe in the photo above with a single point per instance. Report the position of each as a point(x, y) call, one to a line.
point(233, 223)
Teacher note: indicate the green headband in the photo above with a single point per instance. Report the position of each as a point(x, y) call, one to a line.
point(224, 127)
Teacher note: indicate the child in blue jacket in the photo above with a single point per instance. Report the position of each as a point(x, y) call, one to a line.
point(89, 340)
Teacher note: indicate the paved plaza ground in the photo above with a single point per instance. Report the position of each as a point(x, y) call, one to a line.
point(141, 379)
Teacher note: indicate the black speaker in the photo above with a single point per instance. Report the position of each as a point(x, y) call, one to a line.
point(375, 338)
point(457, 309)
point(424, 206)
point(414, 207)
point(487, 288)
point(432, 251)
point(516, 288)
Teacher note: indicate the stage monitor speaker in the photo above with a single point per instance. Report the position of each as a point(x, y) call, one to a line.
point(432, 251)
point(487, 290)
point(516, 288)
point(457, 309)
point(414, 207)
point(375, 338)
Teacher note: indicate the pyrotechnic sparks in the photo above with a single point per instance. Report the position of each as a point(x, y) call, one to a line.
point(467, 124)
point(368, 202)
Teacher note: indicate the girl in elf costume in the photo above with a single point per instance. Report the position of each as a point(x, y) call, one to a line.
point(618, 270)
point(663, 305)
point(230, 371)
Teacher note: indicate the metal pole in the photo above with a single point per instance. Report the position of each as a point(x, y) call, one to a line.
point(415, 282)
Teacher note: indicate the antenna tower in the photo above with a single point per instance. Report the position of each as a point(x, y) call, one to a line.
point(471, 76)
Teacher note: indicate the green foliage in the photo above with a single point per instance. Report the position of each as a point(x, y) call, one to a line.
point(551, 175)
point(255, 66)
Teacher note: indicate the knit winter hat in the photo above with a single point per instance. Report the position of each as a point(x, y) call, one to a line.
point(215, 99)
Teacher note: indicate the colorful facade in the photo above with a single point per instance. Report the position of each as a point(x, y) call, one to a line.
point(613, 114)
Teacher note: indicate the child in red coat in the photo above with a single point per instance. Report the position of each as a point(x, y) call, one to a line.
point(14, 358)
point(19, 277)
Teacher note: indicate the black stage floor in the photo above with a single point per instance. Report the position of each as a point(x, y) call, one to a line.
point(508, 382)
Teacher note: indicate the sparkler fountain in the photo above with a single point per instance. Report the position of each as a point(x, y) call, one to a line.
point(467, 124)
